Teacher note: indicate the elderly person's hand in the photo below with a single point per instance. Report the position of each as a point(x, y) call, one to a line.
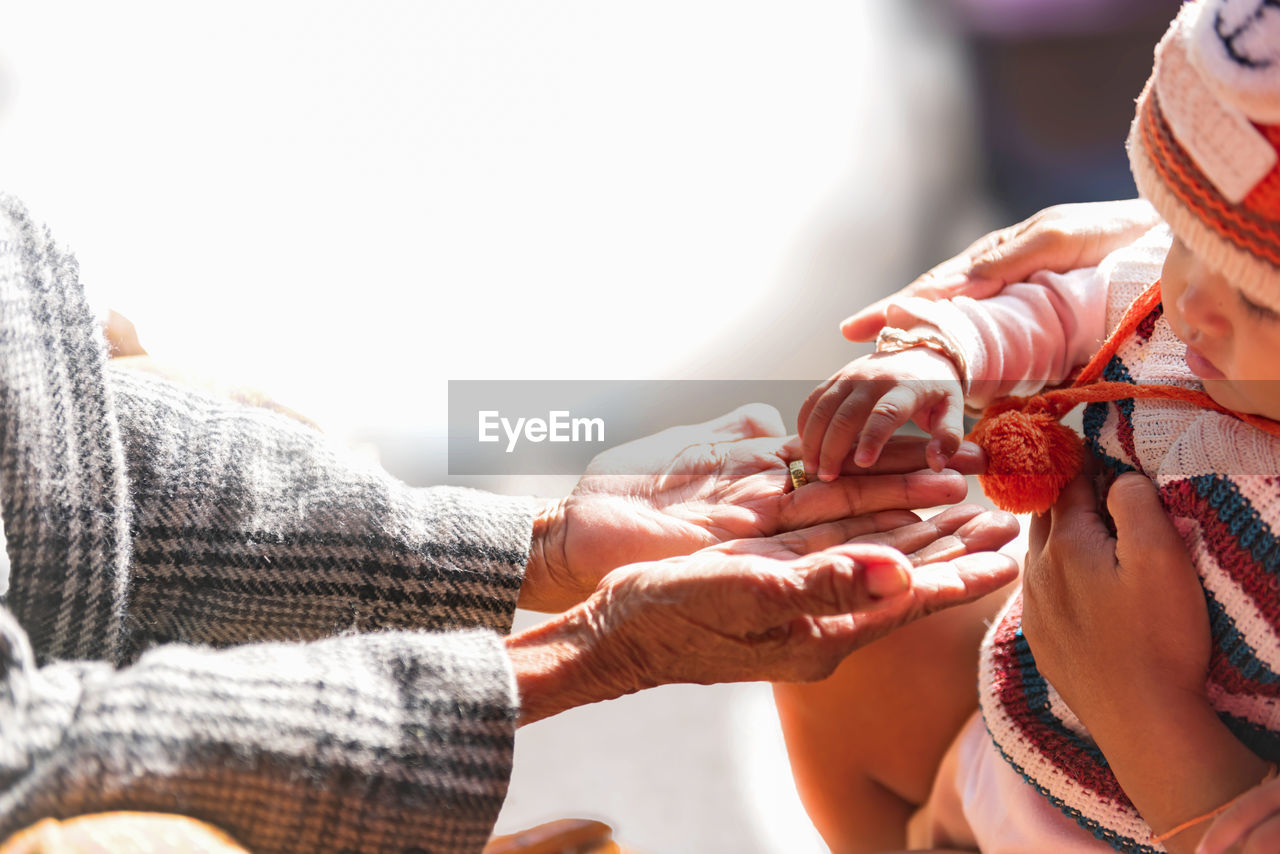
point(782, 608)
point(1138, 685)
point(1060, 238)
point(690, 487)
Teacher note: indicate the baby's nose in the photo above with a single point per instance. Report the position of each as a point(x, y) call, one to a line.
point(1204, 311)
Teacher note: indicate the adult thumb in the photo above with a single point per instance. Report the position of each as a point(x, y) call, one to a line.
point(1145, 536)
point(867, 323)
point(844, 579)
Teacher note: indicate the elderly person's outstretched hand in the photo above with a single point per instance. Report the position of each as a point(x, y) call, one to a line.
point(783, 608)
point(695, 486)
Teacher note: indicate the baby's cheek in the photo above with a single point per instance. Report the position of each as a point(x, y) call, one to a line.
point(1267, 395)
point(1260, 365)
point(1247, 395)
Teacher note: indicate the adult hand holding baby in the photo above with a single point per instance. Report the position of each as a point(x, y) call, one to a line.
point(1250, 826)
point(1058, 238)
point(1082, 586)
point(1137, 685)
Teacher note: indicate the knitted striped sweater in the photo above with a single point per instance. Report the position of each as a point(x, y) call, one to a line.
point(214, 611)
point(1218, 478)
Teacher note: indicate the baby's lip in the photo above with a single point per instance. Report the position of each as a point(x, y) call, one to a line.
point(1201, 366)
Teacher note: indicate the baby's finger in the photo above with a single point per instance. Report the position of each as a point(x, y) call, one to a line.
point(811, 436)
point(947, 429)
point(815, 428)
point(841, 433)
point(891, 411)
point(806, 408)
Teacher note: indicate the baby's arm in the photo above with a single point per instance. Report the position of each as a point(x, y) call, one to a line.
point(1031, 335)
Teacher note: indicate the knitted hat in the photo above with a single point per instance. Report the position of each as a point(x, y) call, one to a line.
point(1203, 146)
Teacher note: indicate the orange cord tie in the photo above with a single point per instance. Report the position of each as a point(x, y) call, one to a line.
point(1161, 838)
point(1031, 457)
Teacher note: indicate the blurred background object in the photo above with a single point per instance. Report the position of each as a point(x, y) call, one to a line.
point(1056, 81)
point(349, 204)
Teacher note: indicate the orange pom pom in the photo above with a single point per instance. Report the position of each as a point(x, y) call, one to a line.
point(1030, 456)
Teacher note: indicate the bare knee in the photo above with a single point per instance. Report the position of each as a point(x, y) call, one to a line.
point(865, 743)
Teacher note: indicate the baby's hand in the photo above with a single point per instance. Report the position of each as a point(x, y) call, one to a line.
point(867, 400)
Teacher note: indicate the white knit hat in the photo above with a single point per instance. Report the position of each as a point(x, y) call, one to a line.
point(1203, 146)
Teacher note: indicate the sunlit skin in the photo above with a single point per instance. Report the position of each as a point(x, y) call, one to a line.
point(1233, 342)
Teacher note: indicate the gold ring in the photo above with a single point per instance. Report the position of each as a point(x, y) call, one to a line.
point(796, 467)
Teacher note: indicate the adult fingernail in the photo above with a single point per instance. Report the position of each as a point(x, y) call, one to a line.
point(886, 579)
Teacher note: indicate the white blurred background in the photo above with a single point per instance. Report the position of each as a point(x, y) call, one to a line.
point(349, 204)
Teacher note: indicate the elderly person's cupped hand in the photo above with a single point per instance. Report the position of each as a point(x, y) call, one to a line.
point(783, 608)
point(700, 485)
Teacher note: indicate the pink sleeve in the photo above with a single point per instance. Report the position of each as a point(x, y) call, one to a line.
point(1028, 336)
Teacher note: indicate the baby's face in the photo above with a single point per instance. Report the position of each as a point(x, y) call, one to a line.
point(1233, 344)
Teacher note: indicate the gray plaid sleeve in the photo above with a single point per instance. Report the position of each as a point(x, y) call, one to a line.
point(388, 741)
point(147, 524)
point(248, 525)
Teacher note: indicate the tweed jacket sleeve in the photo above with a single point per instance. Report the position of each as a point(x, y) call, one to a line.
point(248, 525)
point(213, 611)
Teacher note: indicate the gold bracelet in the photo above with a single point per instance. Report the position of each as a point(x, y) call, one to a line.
point(1214, 813)
point(894, 340)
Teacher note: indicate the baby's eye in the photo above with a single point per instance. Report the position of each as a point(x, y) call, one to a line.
point(1261, 312)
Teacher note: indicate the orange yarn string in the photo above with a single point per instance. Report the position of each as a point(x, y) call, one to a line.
point(1086, 390)
point(1133, 317)
point(1059, 402)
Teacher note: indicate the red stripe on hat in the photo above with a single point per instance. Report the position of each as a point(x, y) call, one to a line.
point(1182, 177)
point(1264, 199)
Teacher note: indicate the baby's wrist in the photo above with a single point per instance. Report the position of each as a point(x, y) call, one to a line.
point(894, 340)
